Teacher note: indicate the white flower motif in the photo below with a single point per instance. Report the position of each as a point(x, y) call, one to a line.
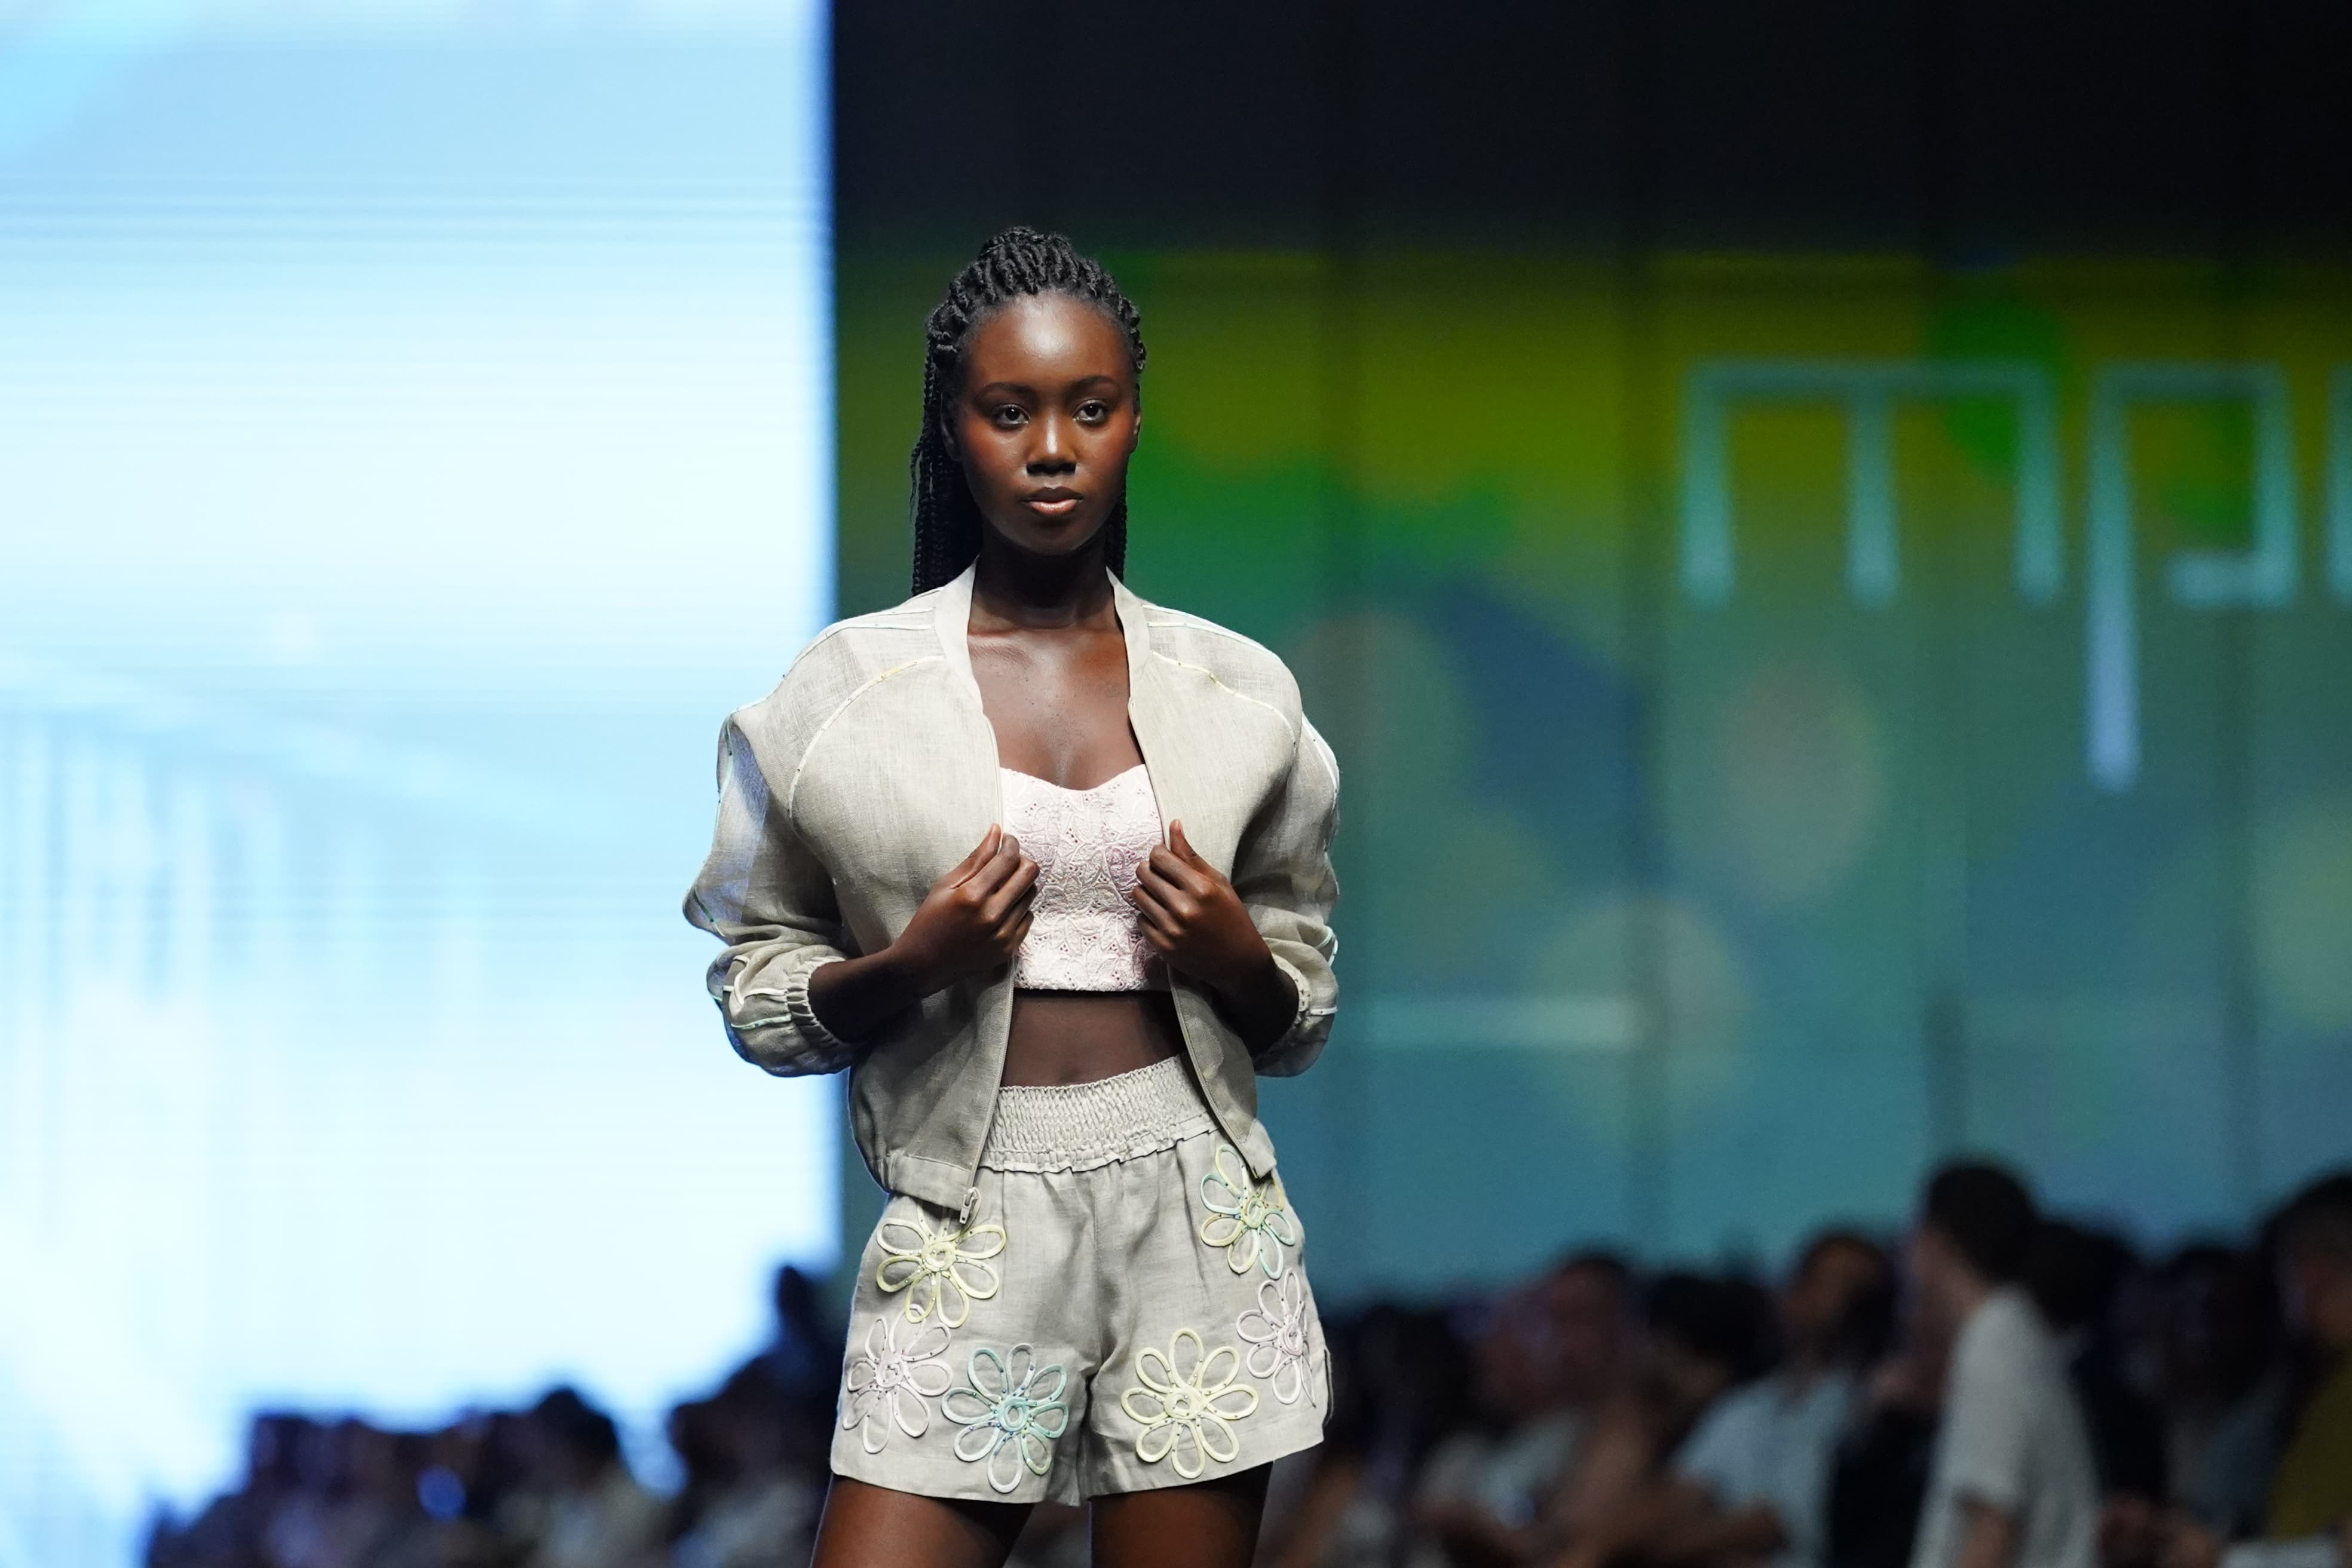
point(941, 1270)
point(1248, 1219)
point(1185, 1408)
point(1010, 1413)
point(889, 1385)
point(1276, 1330)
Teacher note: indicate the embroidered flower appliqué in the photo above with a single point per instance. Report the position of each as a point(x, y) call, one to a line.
point(890, 1385)
point(1247, 1219)
point(1186, 1408)
point(1276, 1330)
point(942, 1271)
point(1010, 1413)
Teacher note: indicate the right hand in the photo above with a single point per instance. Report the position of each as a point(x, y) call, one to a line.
point(973, 918)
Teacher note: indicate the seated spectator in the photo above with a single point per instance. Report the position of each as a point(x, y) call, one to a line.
point(1401, 1385)
point(801, 1366)
point(1753, 1480)
point(748, 1501)
point(234, 1526)
point(1878, 1480)
point(1700, 1337)
point(595, 1515)
point(2013, 1484)
point(2214, 1329)
point(360, 1502)
point(1550, 1357)
point(2306, 1406)
point(2312, 1489)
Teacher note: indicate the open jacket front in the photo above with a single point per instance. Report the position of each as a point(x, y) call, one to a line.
point(872, 769)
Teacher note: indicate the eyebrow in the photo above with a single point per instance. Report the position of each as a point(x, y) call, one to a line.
point(1022, 386)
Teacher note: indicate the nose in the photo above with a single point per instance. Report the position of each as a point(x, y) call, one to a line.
point(1052, 452)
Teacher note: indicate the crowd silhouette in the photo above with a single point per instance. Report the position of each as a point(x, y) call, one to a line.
point(1994, 1386)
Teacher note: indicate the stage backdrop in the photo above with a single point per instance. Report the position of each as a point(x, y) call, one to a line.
point(1821, 536)
point(414, 436)
point(1798, 717)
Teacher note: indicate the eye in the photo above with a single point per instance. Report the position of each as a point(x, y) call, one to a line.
point(1094, 411)
point(1009, 414)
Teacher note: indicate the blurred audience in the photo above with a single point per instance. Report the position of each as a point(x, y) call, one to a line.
point(1752, 1482)
point(1551, 1359)
point(2276, 1484)
point(2017, 1392)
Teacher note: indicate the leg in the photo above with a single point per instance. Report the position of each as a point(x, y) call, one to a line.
point(1209, 1524)
point(867, 1526)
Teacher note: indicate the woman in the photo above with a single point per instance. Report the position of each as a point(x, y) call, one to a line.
point(941, 863)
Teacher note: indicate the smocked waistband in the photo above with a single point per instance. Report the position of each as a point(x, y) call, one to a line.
point(1081, 1126)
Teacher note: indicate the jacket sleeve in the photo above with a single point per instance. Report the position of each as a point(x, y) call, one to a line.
point(767, 897)
point(1282, 873)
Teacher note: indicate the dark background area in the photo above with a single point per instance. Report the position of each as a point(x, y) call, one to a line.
point(1965, 133)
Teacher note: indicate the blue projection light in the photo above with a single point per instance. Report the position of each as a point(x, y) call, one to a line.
point(414, 438)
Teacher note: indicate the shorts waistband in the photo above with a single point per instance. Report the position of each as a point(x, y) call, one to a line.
point(1081, 1126)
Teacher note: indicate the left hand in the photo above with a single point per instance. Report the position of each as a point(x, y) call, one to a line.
point(1194, 918)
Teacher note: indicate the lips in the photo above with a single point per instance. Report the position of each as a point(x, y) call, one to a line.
point(1051, 503)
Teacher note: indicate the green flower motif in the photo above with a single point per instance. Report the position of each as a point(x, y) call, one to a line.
point(942, 1271)
point(1186, 1407)
point(1248, 1219)
point(1010, 1413)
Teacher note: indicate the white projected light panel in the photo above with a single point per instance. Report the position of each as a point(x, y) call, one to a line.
point(414, 436)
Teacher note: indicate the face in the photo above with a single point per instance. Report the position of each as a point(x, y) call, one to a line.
point(1510, 1357)
point(1816, 1302)
point(2317, 1294)
point(1588, 1326)
point(1045, 421)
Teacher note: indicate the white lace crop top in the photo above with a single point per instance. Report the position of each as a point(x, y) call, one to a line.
point(1089, 844)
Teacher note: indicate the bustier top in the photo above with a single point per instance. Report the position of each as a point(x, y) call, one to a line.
point(1083, 934)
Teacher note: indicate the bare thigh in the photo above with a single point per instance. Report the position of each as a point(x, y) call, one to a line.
point(867, 1526)
point(1209, 1524)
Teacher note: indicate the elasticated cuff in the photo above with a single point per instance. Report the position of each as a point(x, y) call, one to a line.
point(805, 1018)
point(1272, 1061)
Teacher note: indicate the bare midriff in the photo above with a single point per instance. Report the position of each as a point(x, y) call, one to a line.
point(1077, 1036)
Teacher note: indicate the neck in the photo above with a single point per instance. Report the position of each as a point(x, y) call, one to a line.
point(1025, 589)
point(1967, 1292)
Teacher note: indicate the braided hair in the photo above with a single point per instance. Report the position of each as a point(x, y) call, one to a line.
point(1017, 262)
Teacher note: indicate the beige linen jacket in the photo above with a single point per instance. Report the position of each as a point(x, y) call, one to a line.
point(871, 769)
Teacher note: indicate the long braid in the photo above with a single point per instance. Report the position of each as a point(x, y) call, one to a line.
point(1015, 262)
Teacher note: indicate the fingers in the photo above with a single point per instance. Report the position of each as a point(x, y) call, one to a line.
point(1179, 886)
point(980, 856)
point(990, 873)
point(1159, 927)
point(1015, 889)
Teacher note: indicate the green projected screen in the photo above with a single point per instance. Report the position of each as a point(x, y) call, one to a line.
point(1798, 718)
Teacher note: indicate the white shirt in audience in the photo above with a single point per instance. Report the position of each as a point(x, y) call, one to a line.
point(2012, 1439)
point(1774, 1442)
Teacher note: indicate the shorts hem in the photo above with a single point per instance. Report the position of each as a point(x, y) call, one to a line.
point(1161, 1477)
point(878, 1472)
point(1134, 1475)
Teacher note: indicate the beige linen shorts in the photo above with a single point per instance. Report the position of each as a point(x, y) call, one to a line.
point(1124, 1309)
